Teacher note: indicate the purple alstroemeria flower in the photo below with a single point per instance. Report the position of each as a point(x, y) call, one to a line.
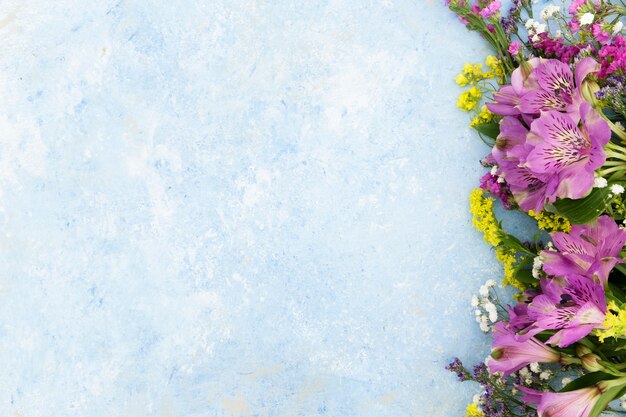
point(509, 355)
point(507, 99)
point(573, 153)
point(589, 250)
point(559, 89)
point(542, 85)
point(532, 191)
point(577, 403)
point(574, 306)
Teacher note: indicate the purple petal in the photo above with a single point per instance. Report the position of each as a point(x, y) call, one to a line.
point(595, 126)
point(556, 77)
point(563, 143)
point(536, 101)
point(566, 337)
point(584, 68)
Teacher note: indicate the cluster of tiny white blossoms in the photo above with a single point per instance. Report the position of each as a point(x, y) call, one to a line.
point(549, 11)
point(537, 265)
point(526, 373)
point(535, 29)
point(599, 182)
point(494, 172)
point(586, 19)
point(616, 189)
point(485, 311)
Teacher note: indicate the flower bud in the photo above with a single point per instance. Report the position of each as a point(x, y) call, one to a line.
point(526, 69)
point(591, 363)
point(582, 350)
point(588, 89)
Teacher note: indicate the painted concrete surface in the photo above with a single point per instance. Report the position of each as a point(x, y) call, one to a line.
point(235, 208)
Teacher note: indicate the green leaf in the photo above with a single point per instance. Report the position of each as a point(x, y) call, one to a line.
point(587, 380)
point(604, 400)
point(586, 209)
point(525, 276)
point(491, 130)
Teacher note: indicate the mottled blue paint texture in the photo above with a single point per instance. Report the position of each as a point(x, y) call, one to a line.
point(236, 208)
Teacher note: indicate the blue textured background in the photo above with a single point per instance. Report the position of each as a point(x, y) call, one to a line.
point(236, 208)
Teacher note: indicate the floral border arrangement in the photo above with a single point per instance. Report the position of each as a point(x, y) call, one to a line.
point(551, 105)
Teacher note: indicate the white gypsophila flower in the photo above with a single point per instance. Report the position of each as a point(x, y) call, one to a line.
point(586, 19)
point(534, 367)
point(566, 380)
point(530, 23)
point(500, 180)
point(599, 182)
point(540, 28)
point(535, 38)
point(537, 265)
point(528, 381)
point(514, 391)
point(490, 283)
point(549, 11)
point(558, 33)
point(617, 28)
point(483, 291)
point(477, 312)
point(494, 170)
point(476, 399)
point(474, 301)
point(545, 375)
point(524, 372)
point(484, 327)
point(617, 189)
point(493, 316)
point(619, 125)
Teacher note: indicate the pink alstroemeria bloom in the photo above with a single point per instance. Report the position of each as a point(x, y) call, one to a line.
point(507, 98)
point(532, 191)
point(559, 89)
point(510, 355)
point(574, 306)
point(577, 403)
point(589, 250)
point(564, 149)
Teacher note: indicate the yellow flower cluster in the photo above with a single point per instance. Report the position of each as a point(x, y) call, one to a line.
point(507, 259)
point(483, 218)
point(551, 222)
point(485, 116)
point(496, 69)
point(468, 100)
point(473, 411)
point(614, 324)
point(471, 74)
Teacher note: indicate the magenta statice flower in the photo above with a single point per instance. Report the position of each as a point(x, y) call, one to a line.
point(514, 47)
point(510, 354)
point(492, 183)
point(491, 9)
point(577, 403)
point(574, 306)
point(564, 149)
point(589, 250)
point(599, 34)
point(613, 56)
